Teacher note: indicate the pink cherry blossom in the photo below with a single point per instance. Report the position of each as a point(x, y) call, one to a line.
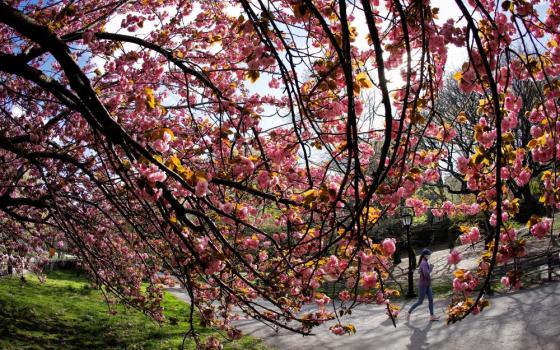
point(369, 280)
point(337, 330)
point(542, 228)
point(201, 187)
point(344, 295)
point(389, 246)
point(505, 282)
point(471, 236)
point(454, 257)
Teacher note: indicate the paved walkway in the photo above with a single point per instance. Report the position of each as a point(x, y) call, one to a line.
point(444, 272)
point(527, 319)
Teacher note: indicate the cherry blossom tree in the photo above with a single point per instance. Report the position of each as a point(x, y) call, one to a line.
point(452, 102)
point(224, 146)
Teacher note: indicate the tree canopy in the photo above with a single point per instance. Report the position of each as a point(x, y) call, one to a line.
point(246, 148)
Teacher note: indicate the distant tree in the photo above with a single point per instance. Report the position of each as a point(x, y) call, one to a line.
point(460, 110)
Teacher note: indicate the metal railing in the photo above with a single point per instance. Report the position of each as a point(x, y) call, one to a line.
point(531, 265)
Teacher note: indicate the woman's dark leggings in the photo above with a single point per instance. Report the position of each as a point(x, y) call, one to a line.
point(423, 291)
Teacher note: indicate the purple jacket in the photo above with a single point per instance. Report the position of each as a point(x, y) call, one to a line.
point(424, 269)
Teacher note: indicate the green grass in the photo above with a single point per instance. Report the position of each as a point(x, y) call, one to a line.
point(442, 289)
point(556, 225)
point(65, 313)
point(422, 219)
point(517, 225)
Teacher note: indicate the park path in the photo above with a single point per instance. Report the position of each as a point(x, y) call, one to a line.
point(442, 272)
point(526, 319)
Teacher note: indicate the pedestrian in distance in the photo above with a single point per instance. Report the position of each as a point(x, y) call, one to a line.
point(424, 285)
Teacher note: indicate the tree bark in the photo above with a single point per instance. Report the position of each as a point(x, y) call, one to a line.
point(529, 206)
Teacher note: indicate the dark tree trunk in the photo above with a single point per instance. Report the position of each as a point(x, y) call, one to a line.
point(529, 206)
point(489, 232)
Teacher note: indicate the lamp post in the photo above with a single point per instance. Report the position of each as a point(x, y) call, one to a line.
point(407, 222)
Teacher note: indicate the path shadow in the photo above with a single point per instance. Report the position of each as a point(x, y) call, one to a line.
point(419, 337)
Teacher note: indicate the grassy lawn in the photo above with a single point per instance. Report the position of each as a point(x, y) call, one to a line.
point(65, 313)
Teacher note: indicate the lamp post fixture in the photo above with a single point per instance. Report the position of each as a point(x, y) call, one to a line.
point(407, 222)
